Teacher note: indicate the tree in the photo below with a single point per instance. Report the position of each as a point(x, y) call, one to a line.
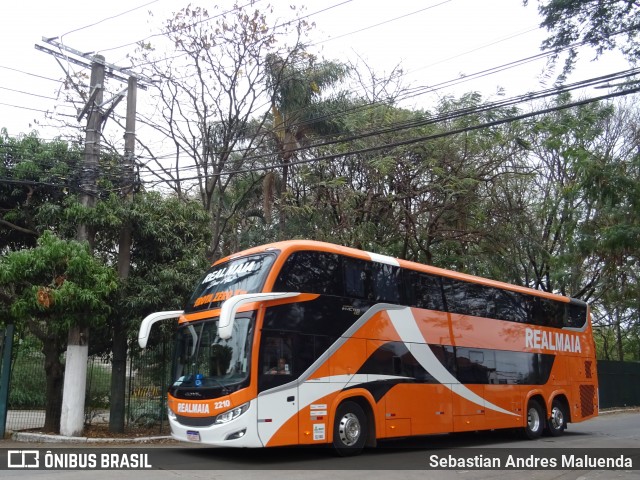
point(170, 237)
point(425, 201)
point(50, 288)
point(299, 110)
point(611, 181)
point(602, 25)
point(35, 176)
point(211, 103)
point(169, 243)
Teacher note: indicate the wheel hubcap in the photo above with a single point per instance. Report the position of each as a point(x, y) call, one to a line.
point(349, 429)
point(533, 420)
point(557, 418)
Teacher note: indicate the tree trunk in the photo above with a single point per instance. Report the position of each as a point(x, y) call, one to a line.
point(55, 373)
point(118, 378)
point(619, 343)
point(75, 382)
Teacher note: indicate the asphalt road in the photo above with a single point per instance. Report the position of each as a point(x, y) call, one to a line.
point(401, 459)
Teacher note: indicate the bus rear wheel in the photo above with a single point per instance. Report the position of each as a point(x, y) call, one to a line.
point(349, 429)
point(535, 420)
point(557, 421)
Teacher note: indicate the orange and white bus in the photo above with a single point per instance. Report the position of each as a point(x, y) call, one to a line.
point(303, 342)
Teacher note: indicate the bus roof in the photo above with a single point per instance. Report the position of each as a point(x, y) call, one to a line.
point(289, 246)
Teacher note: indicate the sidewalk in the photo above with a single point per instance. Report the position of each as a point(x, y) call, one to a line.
point(19, 421)
point(32, 437)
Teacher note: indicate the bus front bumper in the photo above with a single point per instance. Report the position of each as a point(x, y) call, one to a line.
point(239, 432)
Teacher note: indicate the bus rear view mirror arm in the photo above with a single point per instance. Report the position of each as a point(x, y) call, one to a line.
point(149, 320)
point(231, 306)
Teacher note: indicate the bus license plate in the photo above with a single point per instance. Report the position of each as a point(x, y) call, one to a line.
point(193, 435)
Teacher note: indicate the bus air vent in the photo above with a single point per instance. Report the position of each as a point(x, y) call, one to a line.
point(587, 394)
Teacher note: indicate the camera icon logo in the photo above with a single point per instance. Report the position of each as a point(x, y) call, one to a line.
point(23, 459)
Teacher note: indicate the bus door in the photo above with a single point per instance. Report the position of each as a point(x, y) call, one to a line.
point(278, 399)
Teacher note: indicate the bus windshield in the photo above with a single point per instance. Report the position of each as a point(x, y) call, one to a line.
point(235, 277)
point(204, 361)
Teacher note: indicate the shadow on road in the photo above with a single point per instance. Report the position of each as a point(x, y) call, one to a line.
point(389, 454)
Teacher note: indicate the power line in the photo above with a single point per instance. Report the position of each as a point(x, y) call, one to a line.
point(314, 13)
point(391, 145)
point(28, 93)
point(102, 50)
point(449, 116)
point(31, 74)
point(106, 19)
point(421, 138)
point(26, 108)
point(429, 89)
point(30, 182)
point(211, 18)
point(417, 91)
point(381, 23)
point(527, 97)
point(412, 93)
point(462, 54)
point(421, 90)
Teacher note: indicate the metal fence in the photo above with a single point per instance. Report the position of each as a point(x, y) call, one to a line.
point(148, 376)
point(619, 383)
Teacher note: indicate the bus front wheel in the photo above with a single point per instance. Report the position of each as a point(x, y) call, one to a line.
point(349, 429)
point(535, 420)
point(558, 420)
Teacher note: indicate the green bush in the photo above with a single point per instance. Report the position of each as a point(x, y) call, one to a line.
point(27, 390)
point(98, 386)
point(28, 383)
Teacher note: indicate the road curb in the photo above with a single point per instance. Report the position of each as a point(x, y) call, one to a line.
point(48, 438)
point(618, 410)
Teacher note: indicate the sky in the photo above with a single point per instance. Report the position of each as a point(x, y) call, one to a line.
point(433, 41)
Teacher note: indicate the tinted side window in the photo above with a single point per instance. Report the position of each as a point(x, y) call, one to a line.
point(511, 306)
point(547, 313)
point(425, 291)
point(276, 360)
point(356, 278)
point(470, 298)
point(296, 352)
point(577, 316)
point(481, 301)
point(475, 365)
point(385, 283)
point(310, 272)
point(515, 368)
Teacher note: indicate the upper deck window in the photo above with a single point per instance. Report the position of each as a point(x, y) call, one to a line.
point(310, 272)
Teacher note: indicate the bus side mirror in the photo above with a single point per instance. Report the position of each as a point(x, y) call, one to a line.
point(231, 306)
point(149, 320)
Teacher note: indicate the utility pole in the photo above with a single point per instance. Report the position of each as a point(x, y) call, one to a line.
point(119, 330)
point(72, 418)
point(75, 374)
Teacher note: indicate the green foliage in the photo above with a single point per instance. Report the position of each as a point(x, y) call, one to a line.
point(602, 25)
point(37, 176)
point(98, 386)
point(170, 239)
point(58, 280)
point(28, 385)
point(28, 380)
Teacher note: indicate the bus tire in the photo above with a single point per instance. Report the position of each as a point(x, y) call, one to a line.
point(535, 420)
point(557, 421)
point(349, 429)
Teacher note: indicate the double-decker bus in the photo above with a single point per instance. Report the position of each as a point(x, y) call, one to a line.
point(303, 342)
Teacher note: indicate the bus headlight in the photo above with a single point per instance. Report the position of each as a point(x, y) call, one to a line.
point(232, 414)
point(171, 414)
